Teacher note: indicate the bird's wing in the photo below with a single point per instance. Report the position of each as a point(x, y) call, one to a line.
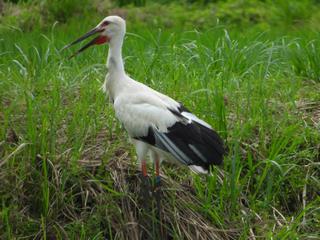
point(139, 111)
point(191, 140)
point(172, 129)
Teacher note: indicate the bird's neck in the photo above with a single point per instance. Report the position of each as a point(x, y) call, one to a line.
point(114, 61)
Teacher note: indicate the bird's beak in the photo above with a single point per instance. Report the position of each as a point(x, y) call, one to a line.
point(97, 40)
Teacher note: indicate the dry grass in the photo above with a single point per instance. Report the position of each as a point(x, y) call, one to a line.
point(158, 208)
point(171, 211)
point(128, 210)
point(310, 111)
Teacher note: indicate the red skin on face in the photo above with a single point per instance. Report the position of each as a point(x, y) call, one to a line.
point(101, 40)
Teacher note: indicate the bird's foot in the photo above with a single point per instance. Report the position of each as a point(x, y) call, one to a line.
point(157, 183)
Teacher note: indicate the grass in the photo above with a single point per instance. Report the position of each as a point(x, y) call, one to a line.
point(67, 169)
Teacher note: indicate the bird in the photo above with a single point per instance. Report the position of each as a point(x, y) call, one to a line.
point(159, 127)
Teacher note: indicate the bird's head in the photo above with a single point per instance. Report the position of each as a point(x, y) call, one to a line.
point(110, 29)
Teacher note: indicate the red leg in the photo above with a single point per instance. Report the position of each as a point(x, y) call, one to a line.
point(157, 167)
point(158, 178)
point(145, 182)
point(144, 168)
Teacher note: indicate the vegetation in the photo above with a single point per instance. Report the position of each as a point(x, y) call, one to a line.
point(249, 68)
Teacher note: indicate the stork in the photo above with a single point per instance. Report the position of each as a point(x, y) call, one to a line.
point(158, 125)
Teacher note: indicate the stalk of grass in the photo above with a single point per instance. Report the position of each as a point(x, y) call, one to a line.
point(5, 213)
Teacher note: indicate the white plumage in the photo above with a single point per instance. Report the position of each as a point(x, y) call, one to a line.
point(157, 124)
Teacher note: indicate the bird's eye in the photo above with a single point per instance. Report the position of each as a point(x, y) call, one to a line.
point(105, 23)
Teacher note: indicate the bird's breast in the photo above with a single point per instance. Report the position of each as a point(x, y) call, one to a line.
point(108, 88)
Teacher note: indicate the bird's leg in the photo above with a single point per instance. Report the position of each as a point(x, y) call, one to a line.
point(142, 150)
point(156, 160)
point(157, 183)
point(158, 177)
point(144, 168)
point(145, 180)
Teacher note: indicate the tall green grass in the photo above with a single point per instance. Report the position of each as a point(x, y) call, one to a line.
point(58, 134)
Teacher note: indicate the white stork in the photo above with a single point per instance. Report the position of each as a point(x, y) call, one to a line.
point(157, 124)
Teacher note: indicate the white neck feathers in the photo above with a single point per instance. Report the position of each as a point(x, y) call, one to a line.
point(114, 62)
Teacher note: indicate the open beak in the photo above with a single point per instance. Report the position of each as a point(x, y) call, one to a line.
point(97, 40)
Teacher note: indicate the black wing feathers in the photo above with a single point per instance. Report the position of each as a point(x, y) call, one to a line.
point(189, 142)
point(201, 144)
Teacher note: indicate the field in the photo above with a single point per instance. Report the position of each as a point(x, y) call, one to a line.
point(67, 168)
